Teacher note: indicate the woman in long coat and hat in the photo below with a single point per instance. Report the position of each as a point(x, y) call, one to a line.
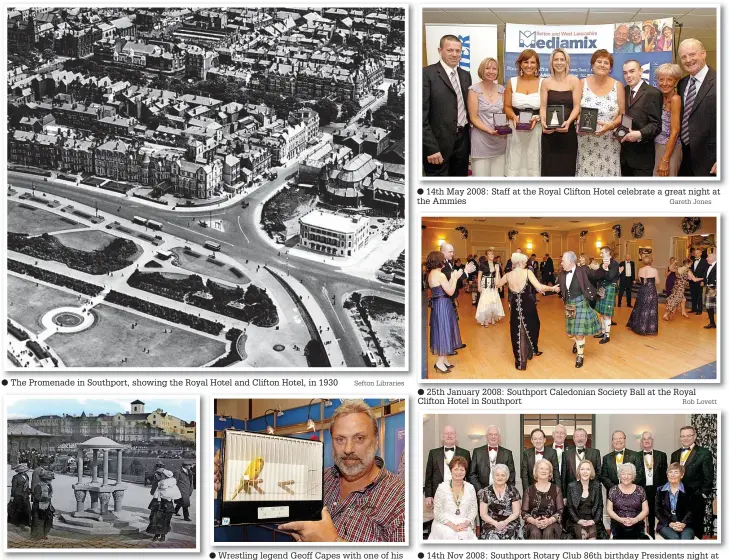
point(42, 511)
point(19, 506)
point(163, 505)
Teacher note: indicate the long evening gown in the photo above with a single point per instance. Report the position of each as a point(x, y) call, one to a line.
point(644, 318)
point(673, 303)
point(524, 326)
point(444, 334)
point(489, 308)
point(559, 149)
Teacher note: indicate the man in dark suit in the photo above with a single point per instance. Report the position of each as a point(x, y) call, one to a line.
point(698, 111)
point(436, 469)
point(699, 268)
point(559, 444)
point(486, 456)
point(575, 455)
point(710, 287)
point(620, 456)
point(655, 464)
point(627, 276)
point(698, 479)
point(577, 287)
point(530, 456)
point(643, 103)
point(446, 134)
point(546, 268)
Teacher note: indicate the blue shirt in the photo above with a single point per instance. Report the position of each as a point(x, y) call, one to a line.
point(673, 497)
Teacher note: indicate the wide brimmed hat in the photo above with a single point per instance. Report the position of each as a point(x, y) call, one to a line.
point(21, 468)
point(165, 472)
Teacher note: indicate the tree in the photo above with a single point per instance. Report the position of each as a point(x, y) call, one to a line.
point(327, 110)
point(349, 109)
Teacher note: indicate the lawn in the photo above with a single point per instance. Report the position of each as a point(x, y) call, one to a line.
point(200, 265)
point(91, 240)
point(27, 303)
point(23, 219)
point(388, 322)
point(112, 331)
point(285, 208)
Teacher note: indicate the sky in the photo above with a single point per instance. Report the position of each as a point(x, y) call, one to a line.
point(23, 407)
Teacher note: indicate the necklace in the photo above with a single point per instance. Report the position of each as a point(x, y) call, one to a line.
point(457, 497)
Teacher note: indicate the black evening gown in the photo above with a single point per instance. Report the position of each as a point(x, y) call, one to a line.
point(559, 149)
point(644, 318)
point(524, 326)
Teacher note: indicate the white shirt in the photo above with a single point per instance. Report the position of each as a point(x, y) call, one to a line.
point(559, 455)
point(696, 264)
point(579, 459)
point(699, 77)
point(459, 92)
point(568, 278)
point(634, 89)
point(648, 472)
point(446, 469)
point(711, 266)
point(492, 460)
point(628, 268)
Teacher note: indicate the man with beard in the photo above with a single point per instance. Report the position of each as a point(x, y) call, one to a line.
point(575, 455)
point(363, 502)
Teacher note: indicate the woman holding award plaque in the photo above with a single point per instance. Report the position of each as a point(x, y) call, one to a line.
point(560, 108)
point(598, 153)
point(522, 100)
point(668, 142)
point(485, 105)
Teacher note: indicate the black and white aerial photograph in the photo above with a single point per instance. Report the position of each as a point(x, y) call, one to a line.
point(206, 188)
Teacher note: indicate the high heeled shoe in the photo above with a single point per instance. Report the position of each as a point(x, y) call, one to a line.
point(440, 370)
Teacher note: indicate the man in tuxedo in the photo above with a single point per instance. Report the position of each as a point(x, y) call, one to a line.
point(655, 464)
point(627, 276)
point(559, 444)
point(698, 268)
point(620, 455)
point(530, 456)
point(577, 287)
point(698, 479)
point(436, 469)
point(575, 455)
point(446, 128)
point(710, 287)
point(546, 268)
point(486, 456)
point(643, 103)
point(698, 111)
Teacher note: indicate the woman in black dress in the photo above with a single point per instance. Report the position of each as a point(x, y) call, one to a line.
point(559, 143)
point(644, 318)
point(524, 317)
point(583, 502)
point(543, 505)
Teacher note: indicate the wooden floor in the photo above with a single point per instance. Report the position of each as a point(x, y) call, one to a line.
point(681, 345)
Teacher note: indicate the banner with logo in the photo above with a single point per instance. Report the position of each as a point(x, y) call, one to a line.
point(580, 42)
point(650, 42)
point(479, 42)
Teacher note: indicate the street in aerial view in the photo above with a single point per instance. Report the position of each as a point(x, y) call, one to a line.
point(217, 187)
point(101, 473)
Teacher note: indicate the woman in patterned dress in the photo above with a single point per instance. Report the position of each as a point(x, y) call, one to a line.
point(677, 299)
point(525, 323)
point(627, 505)
point(543, 505)
point(500, 508)
point(598, 154)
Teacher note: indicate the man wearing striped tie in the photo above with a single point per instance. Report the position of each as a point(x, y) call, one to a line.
point(446, 129)
point(698, 111)
point(698, 479)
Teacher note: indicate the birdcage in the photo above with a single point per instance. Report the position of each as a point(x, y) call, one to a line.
point(271, 479)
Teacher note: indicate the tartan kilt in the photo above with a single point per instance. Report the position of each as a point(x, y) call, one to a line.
point(709, 301)
point(586, 321)
point(606, 306)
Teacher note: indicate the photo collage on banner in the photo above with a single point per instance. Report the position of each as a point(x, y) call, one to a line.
point(307, 281)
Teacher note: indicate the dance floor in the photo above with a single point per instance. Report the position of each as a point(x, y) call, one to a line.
point(681, 345)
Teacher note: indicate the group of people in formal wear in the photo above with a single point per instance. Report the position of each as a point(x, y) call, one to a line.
point(474, 496)
point(589, 289)
point(672, 128)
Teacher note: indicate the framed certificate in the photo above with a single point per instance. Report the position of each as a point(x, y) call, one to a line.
point(555, 116)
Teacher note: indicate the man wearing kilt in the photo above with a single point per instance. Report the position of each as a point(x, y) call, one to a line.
point(607, 289)
point(710, 290)
point(577, 287)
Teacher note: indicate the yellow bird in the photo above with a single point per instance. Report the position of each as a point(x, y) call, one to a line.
point(250, 476)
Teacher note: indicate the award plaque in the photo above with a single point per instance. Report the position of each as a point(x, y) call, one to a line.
point(555, 116)
point(524, 121)
point(501, 124)
point(626, 124)
point(588, 120)
point(271, 479)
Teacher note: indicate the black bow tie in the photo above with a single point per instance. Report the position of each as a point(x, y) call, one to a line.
point(647, 453)
point(580, 450)
point(685, 449)
point(450, 448)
